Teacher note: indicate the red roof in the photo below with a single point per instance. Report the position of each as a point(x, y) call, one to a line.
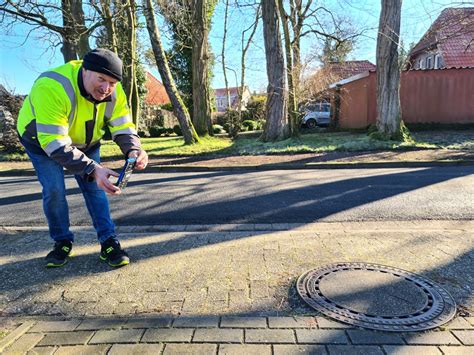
point(344, 70)
point(222, 92)
point(156, 94)
point(453, 34)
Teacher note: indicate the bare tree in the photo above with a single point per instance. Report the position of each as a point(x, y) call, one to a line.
point(76, 36)
point(128, 51)
point(189, 134)
point(302, 20)
point(117, 16)
point(191, 19)
point(388, 73)
point(119, 34)
point(178, 19)
point(108, 14)
point(245, 48)
point(290, 72)
point(46, 15)
point(276, 126)
point(224, 69)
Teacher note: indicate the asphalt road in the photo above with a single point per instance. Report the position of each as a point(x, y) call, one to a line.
point(278, 196)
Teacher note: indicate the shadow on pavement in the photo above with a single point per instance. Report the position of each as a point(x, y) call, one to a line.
point(22, 281)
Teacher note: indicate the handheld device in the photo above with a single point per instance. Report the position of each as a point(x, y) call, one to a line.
point(126, 173)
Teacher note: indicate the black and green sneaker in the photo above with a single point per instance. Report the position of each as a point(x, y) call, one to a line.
point(60, 254)
point(113, 254)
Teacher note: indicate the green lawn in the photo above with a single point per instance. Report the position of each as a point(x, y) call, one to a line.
point(305, 143)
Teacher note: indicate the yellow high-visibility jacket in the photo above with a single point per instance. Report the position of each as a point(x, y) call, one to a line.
point(58, 118)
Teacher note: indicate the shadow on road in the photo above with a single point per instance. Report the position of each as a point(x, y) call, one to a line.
point(304, 204)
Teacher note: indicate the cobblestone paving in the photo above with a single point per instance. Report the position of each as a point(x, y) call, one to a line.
point(222, 289)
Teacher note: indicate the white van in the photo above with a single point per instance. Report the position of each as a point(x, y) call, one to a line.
point(318, 114)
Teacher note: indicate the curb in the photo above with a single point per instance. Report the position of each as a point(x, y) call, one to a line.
point(272, 227)
point(282, 166)
point(15, 334)
point(325, 165)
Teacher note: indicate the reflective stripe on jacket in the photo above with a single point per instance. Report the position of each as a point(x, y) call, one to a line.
point(56, 117)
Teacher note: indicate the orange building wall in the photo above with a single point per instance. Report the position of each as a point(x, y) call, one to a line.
point(438, 96)
point(444, 96)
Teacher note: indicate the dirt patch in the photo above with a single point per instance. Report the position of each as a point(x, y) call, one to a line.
point(287, 159)
point(337, 157)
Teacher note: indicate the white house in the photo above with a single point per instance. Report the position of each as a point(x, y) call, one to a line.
point(221, 98)
point(447, 43)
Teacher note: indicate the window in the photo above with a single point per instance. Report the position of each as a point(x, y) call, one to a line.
point(437, 63)
point(420, 64)
point(429, 62)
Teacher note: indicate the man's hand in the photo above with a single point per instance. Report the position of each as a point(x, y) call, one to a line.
point(101, 176)
point(142, 158)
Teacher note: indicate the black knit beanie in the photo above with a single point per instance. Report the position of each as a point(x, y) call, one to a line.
point(103, 61)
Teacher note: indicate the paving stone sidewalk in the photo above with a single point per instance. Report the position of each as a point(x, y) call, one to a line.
point(228, 335)
point(226, 289)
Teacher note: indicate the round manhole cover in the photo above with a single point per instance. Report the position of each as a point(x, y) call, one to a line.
point(376, 297)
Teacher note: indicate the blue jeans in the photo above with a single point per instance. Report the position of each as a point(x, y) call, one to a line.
point(51, 176)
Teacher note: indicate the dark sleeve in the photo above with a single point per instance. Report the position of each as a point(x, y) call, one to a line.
point(127, 142)
point(74, 160)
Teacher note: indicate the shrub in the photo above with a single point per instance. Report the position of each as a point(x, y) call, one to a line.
point(168, 132)
point(217, 129)
point(159, 119)
point(231, 122)
point(156, 131)
point(143, 133)
point(177, 130)
point(220, 119)
point(249, 125)
point(167, 107)
point(260, 124)
point(255, 108)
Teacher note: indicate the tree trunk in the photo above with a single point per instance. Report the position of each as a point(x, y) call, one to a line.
point(189, 134)
point(133, 97)
point(276, 126)
point(224, 70)
point(244, 52)
point(109, 25)
point(298, 15)
point(296, 50)
point(68, 48)
point(81, 29)
point(200, 60)
point(388, 74)
point(75, 36)
point(292, 108)
point(126, 26)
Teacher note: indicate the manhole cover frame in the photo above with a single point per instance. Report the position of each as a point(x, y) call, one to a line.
point(439, 308)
